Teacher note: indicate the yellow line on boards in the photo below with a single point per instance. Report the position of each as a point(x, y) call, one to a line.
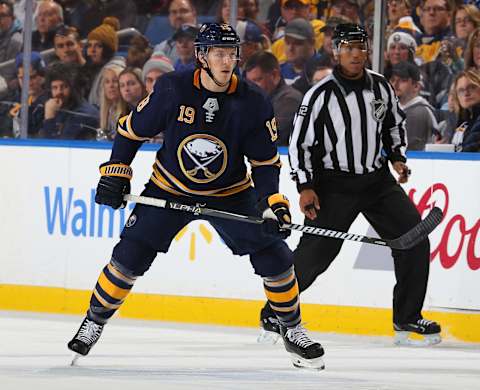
point(235, 312)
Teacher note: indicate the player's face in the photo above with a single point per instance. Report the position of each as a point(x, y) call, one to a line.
point(222, 62)
point(352, 57)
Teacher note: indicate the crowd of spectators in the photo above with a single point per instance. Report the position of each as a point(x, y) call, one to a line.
point(85, 75)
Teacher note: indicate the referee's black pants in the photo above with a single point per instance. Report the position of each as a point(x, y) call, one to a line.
point(389, 211)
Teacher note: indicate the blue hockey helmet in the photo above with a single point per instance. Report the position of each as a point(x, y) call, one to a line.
point(216, 34)
point(349, 32)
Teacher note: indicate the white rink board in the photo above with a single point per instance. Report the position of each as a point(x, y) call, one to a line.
point(45, 247)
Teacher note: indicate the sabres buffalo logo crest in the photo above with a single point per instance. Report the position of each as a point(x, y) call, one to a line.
point(202, 157)
point(379, 110)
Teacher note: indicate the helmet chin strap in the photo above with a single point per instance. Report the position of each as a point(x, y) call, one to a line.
point(206, 67)
point(210, 73)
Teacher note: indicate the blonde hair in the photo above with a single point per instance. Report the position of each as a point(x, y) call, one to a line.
point(471, 75)
point(472, 11)
point(468, 55)
point(119, 106)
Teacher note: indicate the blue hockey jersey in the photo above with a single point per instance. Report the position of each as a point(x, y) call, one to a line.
point(207, 137)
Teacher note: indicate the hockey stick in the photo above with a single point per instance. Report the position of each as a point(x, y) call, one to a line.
point(406, 241)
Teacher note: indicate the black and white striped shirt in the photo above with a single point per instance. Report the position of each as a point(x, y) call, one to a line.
point(346, 129)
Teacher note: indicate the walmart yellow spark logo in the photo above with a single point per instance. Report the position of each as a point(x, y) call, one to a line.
point(204, 232)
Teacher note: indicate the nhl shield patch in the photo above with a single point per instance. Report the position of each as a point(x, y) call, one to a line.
point(379, 110)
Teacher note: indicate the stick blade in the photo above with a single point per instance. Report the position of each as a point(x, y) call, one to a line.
point(419, 232)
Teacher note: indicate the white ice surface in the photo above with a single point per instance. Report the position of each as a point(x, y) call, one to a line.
point(154, 355)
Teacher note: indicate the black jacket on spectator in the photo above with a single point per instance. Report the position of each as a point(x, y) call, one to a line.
point(471, 137)
point(68, 125)
point(39, 45)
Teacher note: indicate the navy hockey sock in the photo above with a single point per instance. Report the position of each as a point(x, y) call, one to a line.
point(282, 294)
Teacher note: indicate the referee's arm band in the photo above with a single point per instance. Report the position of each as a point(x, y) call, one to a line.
point(304, 186)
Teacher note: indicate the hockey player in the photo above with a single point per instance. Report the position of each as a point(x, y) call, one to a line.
point(347, 129)
point(211, 121)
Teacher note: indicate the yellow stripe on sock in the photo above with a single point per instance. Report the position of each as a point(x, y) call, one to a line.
point(282, 297)
point(111, 289)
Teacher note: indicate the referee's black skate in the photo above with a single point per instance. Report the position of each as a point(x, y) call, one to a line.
point(270, 327)
point(429, 330)
point(305, 352)
point(86, 337)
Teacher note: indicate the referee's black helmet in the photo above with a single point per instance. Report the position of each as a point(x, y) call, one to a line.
point(348, 32)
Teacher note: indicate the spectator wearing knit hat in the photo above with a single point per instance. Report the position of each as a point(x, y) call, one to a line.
point(157, 65)
point(102, 43)
point(400, 47)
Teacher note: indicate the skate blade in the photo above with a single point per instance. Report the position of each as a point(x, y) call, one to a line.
point(405, 339)
point(268, 337)
point(75, 358)
point(316, 364)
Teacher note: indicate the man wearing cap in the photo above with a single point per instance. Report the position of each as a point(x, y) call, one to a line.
point(252, 40)
point(420, 122)
point(157, 65)
point(262, 69)
point(37, 95)
point(184, 39)
point(299, 48)
point(295, 9)
point(179, 12)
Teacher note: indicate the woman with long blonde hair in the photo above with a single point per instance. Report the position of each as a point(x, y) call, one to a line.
point(112, 106)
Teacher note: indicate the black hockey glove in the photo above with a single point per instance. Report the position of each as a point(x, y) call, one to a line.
point(276, 212)
point(114, 183)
